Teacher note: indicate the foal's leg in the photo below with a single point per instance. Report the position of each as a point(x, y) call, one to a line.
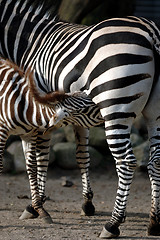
point(29, 148)
point(83, 160)
point(42, 155)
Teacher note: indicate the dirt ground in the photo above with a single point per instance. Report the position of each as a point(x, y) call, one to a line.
point(64, 206)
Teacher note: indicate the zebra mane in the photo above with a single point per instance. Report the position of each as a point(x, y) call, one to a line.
point(46, 6)
point(9, 63)
point(40, 8)
point(50, 98)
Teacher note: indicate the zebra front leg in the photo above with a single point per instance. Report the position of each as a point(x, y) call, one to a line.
point(118, 138)
point(83, 160)
point(42, 155)
point(36, 209)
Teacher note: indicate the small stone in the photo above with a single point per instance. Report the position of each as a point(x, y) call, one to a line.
point(22, 197)
point(66, 182)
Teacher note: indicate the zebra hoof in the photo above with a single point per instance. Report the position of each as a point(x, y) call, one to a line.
point(154, 229)
point(44, 215)
point(47, 220)
point(109, 231)
point(29, 213)
point(88, 209)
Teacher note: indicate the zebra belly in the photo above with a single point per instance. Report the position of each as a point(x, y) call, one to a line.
point(22, 132)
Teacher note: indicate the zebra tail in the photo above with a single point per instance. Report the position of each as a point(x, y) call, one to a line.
point(50, 98)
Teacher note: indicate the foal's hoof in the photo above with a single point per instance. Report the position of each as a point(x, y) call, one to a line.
point(154, 229)
point(47, 220)
point(109, 231)
point(44, 215)
point(88, 209)
point(29, 213)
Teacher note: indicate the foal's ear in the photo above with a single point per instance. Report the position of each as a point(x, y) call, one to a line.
point(56, 121)
point(57, 118)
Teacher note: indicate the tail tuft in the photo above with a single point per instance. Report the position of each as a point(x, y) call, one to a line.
point(50, 98)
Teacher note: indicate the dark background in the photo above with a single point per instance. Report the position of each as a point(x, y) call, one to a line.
point(93, 11)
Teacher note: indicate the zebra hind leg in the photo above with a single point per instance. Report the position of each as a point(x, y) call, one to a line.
point(83, 160)
point(154, 174)
point(118, 138)
point(36, 209)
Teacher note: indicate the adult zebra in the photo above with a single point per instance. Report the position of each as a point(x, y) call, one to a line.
point(21, 113)
point(112, 62)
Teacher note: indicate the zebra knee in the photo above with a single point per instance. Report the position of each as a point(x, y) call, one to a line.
point(125, 166)
point(154, 164)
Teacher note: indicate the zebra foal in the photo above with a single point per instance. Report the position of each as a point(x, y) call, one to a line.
point(24, 113)
point(21, 115)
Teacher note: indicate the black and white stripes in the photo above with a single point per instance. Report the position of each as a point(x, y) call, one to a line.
point(21, 114)
point(112, 62)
